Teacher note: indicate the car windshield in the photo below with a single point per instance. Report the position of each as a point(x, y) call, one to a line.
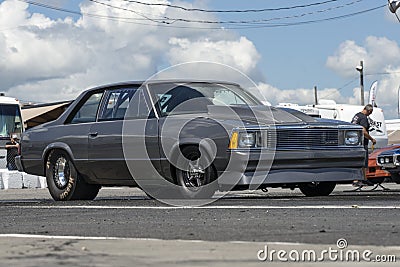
point(186, 98)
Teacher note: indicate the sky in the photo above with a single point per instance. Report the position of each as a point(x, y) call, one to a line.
point(52, 50)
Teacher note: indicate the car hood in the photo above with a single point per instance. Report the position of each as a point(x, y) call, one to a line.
point(390, 152)
point(255, 115)
point(239, 116)
point(383, 149)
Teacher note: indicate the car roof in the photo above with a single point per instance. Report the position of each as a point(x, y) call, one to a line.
point(139, 83)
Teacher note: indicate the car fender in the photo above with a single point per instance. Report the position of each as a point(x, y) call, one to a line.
point(205, 145)
point(57, 145)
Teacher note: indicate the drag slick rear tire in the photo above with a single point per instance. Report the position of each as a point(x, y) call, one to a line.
point(315, 189)
point(64, 182)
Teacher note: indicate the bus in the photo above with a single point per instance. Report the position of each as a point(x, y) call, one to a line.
point(10, 123)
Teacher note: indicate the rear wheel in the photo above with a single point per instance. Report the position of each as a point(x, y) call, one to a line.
point(64, 182)
point(317, 188)
point(195, 180)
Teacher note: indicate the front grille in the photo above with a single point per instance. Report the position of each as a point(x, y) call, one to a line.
point(304, 138)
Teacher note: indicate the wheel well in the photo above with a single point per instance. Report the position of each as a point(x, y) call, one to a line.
point(181, 147)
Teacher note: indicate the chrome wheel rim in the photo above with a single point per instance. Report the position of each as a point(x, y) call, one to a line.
point(195, 176)
point(61, 172)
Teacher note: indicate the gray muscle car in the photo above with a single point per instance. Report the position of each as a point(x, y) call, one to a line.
point(189, 138)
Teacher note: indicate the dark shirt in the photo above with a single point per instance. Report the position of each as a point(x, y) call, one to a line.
point(362, 119)
point(12, 152)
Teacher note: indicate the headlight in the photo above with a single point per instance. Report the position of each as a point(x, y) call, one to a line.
point(247, 139)
point(386, 160)
point(381, 160)
point(351, 138)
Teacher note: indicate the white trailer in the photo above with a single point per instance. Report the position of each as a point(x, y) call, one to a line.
point(393, 129)
point(308, 109)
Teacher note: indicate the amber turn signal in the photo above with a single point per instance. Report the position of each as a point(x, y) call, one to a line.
point(233, 144)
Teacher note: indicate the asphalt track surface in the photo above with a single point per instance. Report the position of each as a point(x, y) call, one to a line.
point(123, 227)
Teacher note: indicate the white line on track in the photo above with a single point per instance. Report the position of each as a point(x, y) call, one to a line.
point(108, 238)
point(70, 237)
point(208, 207)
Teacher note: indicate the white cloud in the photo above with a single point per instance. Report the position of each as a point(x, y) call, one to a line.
point(346, 58)
point(41, 57)
point(305, 96)
point(381, 55)
point(377, 53)
point(44, 59)
point(241, 53)
point(34, 49)
point(387, 93)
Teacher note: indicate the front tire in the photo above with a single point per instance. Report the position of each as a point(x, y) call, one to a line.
point(195, 181)
point(395, 177)
point(317, 188)
point(63, 180)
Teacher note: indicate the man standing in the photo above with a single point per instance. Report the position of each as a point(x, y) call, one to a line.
point(361, 118)
point(12, 151)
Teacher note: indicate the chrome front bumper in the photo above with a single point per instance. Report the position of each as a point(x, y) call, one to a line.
point(388, 161)
point(296, 176)
point(293, 167)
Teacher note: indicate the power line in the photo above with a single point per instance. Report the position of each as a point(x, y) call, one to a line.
point(231, 11)
point(341, 88)
point(367, 74)
point(34, 3)
point(160, 24)
point(333, 18)
point(167, 20)
point(382, 73)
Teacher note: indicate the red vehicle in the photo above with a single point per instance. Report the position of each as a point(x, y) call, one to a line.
point(375, 173)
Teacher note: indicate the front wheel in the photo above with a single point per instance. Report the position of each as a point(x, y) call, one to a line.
point(317, 188)
point(195, 181)
point(395, 177)
point(64, 182)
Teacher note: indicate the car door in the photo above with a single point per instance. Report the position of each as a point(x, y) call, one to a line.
point(76, 129)
point(106, 149)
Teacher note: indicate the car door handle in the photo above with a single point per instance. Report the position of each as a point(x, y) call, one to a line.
point(93, 135)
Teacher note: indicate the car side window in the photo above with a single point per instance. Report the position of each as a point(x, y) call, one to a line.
point(182, 99)
point(124, 103)
point(88, 111)
point(139, 109)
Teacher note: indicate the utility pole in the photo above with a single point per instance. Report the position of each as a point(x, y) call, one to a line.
point(315, 95)
point(361, 70)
